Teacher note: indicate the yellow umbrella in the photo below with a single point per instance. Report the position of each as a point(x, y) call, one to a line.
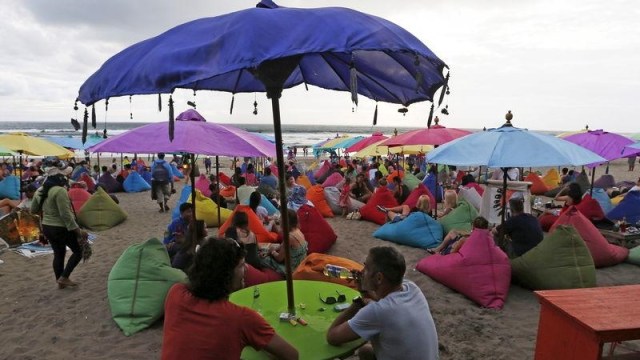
point(411, 149)
point(372, 150)
point(380, 150)
point(35, 146)
point(330, 143)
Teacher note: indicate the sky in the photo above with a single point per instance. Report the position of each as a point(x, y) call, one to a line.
point(557, 65)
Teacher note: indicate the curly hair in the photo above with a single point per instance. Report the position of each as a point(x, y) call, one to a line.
point(211, 275)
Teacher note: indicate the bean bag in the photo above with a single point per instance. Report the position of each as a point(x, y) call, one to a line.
point(110, 184)
point(176, 172)
point(265, 203)
point(616, 200)
point(383, 169)
point(343, 163)
point(202, 184)
point(135, 183)
point(332, 195)
point(100, 212)
point(393, 175)
point(78, 197)
point(415, 194)
point(333, 180)
point(228, 192)
point(590, 208)
point(317, 231)
point(224, 179)
point(146, 175)
point(603, 253)
point(430, 182)
point(411, 181)
point(471, 196)
point(304, 181)
point(459, 175)
point(322, 170)
point(551, 178)
point(600, 195)
point(244, 192)
point(91, 184)
point(634, 256)
point(10, 188)
point(312, 178)
point(312, 268)
point(138, 285)
point(383, 197)
point(253, 276)
point(315, 194)
point(480, 270)
point(538, 187)
point(628, 208)
point(207, 210)
point(417, 229)
point(583, 181)
point(605, 181)
point(184, 196)
point(459, 218)
point(255, 225)
point(560, 261)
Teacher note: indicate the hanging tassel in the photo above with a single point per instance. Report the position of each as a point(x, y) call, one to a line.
point(130, 112)
point(85, 125)
point(375, 116)
point(159, 103)
point(444, 89)
point(94, 122)
point(171, 118)
point(353, 83)
point(106, 108)
point(75, 124)
point(430, 117)
point(233, 98)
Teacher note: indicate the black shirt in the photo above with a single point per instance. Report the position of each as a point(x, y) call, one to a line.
point(525, 232)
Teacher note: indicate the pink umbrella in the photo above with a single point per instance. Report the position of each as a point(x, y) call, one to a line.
point(374, 138)
point(435, 135)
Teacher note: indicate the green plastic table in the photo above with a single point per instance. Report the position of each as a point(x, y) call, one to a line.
point(310, 340)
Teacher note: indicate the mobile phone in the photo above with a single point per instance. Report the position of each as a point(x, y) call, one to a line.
point(341, 307)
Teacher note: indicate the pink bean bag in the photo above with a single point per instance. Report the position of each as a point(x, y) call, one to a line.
point(412, 199)
point(253, 276)
point(480, 270)
point(78, 197)
point(332, 180)
point(322, 170)
point(383, 197)
point(603, 253)
point(91, 184)
point(317, 231)
point(202, 184)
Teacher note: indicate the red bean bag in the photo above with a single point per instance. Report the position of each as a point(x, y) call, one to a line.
point(590, 208)
point(315, 194)
point(274, 170)
point(255, 225)
point(480, 270)
point(459, 176)
point(603, 253)
point(253, 276)
point(322, 170)
point(420, 190)
point(312, 268)
point(91, 184)
point(78, 197)
point(317, 231)
point(202, 184)
point(332, 180)
point(224, 179)
point(343, 163)
point(228, 192)
point(383, 197)
point(538, 187)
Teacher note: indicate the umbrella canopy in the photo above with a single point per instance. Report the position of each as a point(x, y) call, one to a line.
point(6, 152)
point(332, 144)
point(609, 145)
point(32, 145)
point(193, 134)
point(348, 142)
point(71, 142)
point(634, 146)
point(435, 135)
point(376, 137)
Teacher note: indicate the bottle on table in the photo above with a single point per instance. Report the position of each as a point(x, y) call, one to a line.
point(339, 272)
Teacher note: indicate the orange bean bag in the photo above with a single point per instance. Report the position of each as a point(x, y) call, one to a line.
point(383, 197)
point(317, 231)
point(312, 268)
point(255, 225)
point(394, 174)
point(315, 194)
point(78, 197)
point(304, 181)
point(538, 187)
point(551, 178)
point(228, 192)
point(603, 253)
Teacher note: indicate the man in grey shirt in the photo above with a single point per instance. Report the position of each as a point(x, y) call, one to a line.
point(393, 314)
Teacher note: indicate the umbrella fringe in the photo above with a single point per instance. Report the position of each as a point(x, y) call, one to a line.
point(430, 117)
point(93, 116)
point(233, 99)
point(353, 83)
point(159, 102)
point(106, 110)
point(444, 89)
point(171, 118)
point(375, 115)
point(85, 124)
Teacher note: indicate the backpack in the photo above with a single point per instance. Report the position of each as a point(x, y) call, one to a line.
point(160, 173)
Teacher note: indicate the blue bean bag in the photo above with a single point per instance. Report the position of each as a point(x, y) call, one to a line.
point(265, 203)
point(600, 195)
point(10, 188)
point(175, 172)
point(146, 175)
point(312, 178)
point(430, 182)
point(135, 183)
point(628, 208)
point(184, 196)
point(417, 230)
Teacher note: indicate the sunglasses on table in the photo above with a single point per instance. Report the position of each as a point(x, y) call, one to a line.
point(332, 300)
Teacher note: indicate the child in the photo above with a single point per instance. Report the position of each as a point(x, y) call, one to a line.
point(345, 200)
point(450, 202)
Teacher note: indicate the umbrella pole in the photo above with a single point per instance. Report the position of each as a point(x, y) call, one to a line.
point(504, 209)
point(218, 185)
point(435, 196)
point(192, 175)
point(593, 176)
point(20, 166)
point(121, 162)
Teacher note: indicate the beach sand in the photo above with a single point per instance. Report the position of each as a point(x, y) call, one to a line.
point(37, 320)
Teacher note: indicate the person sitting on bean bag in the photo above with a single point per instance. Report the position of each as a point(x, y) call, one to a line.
point(572, 196)
point(523, 230)
point(361, 189)
point(399, 213)
point(455, 239)
point(450, 202)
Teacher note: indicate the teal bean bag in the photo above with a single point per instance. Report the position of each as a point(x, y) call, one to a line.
point(634, 256)
point(138, 284)
point(459, 218)
point(418, 230)
point(265, 203)
point(560, 261)
point(135, 183)
point(100, 212)
point(10, 188)
point(600, 195)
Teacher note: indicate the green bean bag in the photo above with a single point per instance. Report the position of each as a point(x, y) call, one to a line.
point(411, 180)
point(561, 261)
point(100, 212)
point(634, 256)
point(459, 218)
point(138, 284)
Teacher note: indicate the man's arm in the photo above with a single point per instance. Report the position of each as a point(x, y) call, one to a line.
point(281, 349)
point(340, 332)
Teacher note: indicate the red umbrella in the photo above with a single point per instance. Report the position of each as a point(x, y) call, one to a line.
point(374, 138)
point(435, 135)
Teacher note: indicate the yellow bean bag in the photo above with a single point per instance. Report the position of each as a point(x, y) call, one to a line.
point(207, 210)
point(100, 212)
point(551, 178)
point(616, 200)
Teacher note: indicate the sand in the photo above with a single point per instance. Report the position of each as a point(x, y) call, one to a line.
point(37, 320)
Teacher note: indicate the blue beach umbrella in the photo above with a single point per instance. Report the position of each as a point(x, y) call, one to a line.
point(75, 143)
point(268, 49)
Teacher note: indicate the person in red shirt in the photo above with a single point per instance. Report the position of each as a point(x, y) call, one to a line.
point(201, 323)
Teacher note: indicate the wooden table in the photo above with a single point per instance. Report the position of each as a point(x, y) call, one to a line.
point(625, 239)
point(575, 323)
point(310, 340)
